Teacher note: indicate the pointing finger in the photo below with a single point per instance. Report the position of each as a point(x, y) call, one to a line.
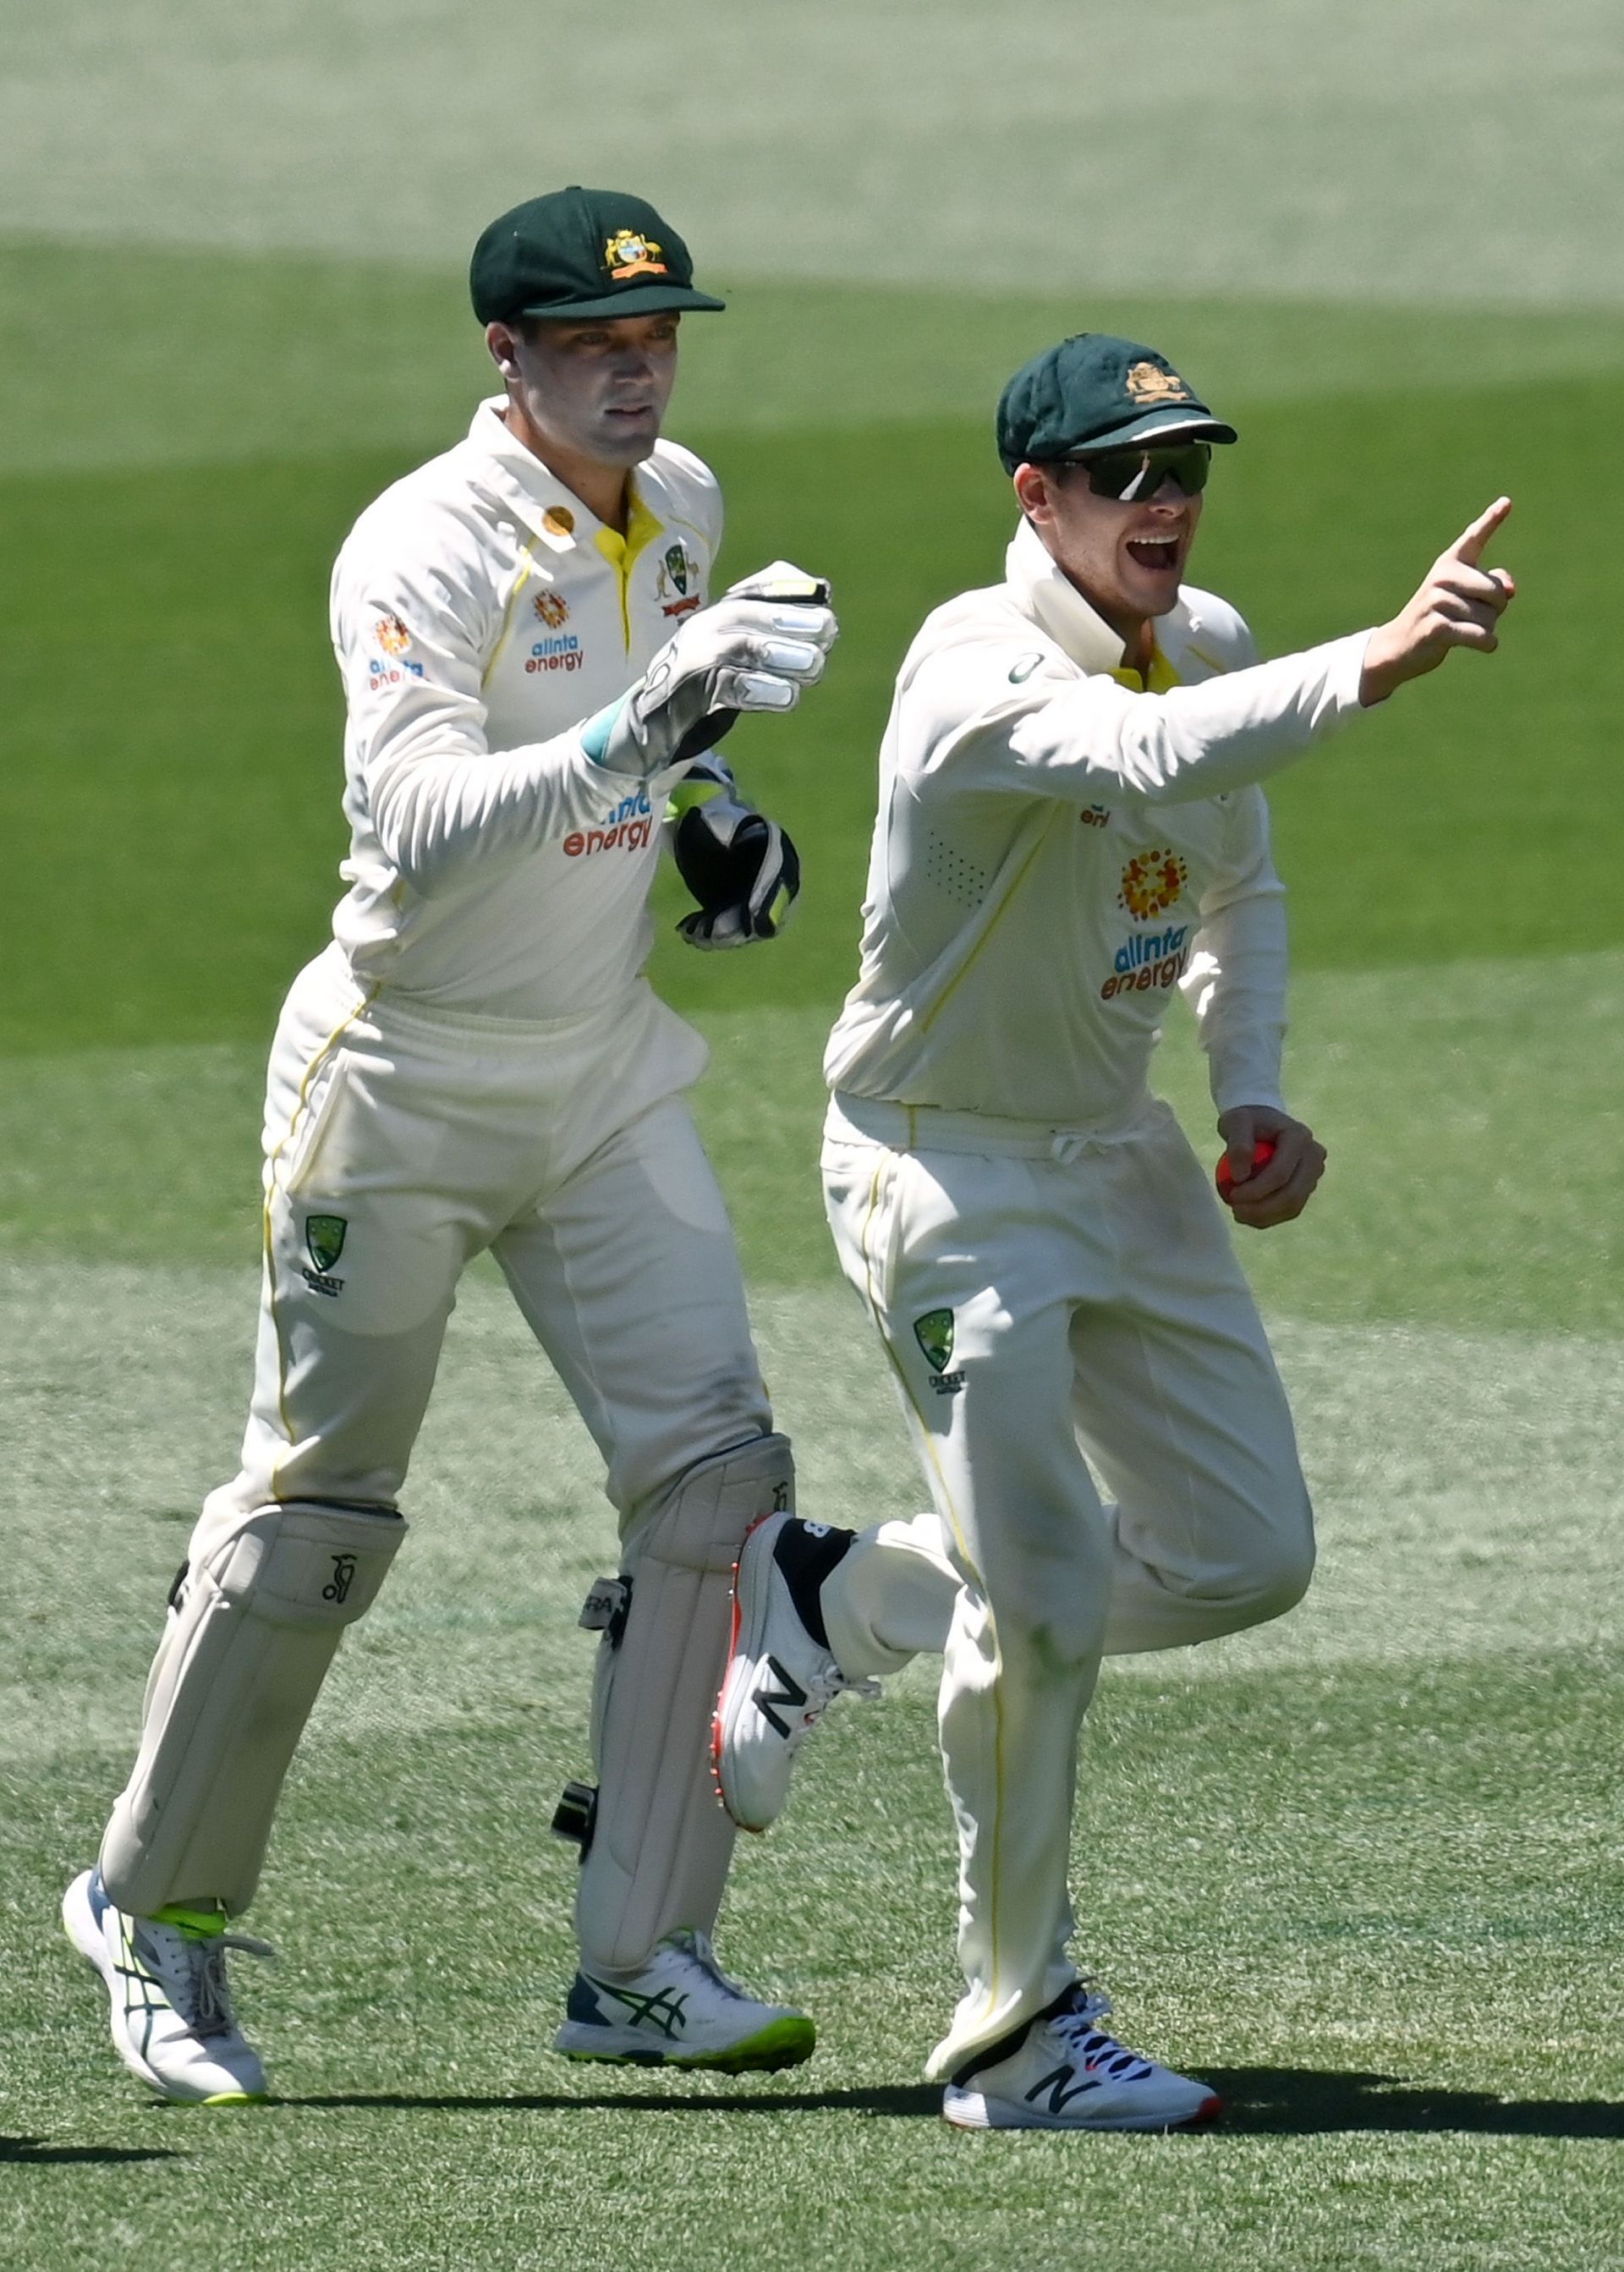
point(1468, 546)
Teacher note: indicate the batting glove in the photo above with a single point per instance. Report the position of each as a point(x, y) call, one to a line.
point(763, 641)
point(740, 865)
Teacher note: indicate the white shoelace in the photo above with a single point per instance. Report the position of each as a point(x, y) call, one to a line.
point(696, 1948)
point(192, 1972)
point(821, 1690)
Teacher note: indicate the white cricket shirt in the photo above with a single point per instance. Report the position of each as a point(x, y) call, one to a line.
point(1058, 846)
point(480, 615)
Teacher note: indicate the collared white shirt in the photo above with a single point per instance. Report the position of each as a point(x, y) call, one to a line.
point(1060, 844)
point(480, 614)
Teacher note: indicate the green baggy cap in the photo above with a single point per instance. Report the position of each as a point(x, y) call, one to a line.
point(1096, 391)
point(581, 253)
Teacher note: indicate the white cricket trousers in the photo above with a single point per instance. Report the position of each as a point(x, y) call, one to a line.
point(1049, 1299)
point(400, 1142)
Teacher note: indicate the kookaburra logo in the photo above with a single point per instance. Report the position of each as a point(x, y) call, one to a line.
point(343, 1578)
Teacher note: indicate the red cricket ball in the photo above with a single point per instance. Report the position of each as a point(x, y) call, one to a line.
point(1262, 1152)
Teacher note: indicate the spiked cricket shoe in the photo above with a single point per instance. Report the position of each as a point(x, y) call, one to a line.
point(681, 2010)
point(1063, 2072)
point(781, 1677)
point(172, 2021)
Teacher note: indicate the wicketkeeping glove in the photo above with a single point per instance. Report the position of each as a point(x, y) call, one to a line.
point(755, 649)
point(740, 865)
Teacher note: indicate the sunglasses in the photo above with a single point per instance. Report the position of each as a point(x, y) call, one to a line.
point(1135, 476)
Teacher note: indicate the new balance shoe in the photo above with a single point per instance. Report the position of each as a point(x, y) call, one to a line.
point(171, 2014)
point(681, 2010)
point(1063, 2072)
point(781, 1677)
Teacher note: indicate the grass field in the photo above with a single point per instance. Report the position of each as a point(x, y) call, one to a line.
point(1361, 1868)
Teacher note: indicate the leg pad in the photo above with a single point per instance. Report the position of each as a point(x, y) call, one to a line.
point(253, 1624)
point(660, 1846)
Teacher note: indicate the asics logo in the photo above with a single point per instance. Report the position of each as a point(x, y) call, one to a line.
point(789, 1691)
point(1060, 2097)
point(666, 2012)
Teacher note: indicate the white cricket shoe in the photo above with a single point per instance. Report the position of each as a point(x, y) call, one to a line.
point(781, 1677)
point(681, 2010)
point(1067, 2073)
point(172, 2021)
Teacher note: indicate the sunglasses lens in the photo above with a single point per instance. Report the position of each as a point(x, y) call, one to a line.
point(1136, 476)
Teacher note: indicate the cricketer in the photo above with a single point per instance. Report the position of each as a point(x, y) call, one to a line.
point(1070, 829)
point(533, 667)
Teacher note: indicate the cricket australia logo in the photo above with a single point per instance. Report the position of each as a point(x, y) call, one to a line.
point(324, 1241)
point(933, 1332)
point(678, 581)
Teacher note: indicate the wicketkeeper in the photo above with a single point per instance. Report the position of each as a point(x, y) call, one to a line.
point(534, 666)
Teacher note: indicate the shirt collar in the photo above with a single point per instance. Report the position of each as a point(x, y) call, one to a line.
point(540, 499)
point(1041, 591)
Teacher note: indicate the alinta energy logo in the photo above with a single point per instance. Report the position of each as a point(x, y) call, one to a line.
point(1151, 961)
point(1152, 882)
point(553, 609)
point(627, 829)
point(393, 667)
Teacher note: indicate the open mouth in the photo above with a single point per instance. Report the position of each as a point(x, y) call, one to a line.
point(1160, 554)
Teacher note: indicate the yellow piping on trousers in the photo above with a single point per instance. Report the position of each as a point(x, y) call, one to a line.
point(310, 1071)
point(995, 1888)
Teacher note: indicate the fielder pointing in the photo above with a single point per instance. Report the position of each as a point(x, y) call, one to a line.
point(532, 665)
point(1070, 829)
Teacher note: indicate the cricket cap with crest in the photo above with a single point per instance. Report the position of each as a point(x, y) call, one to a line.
point(579, 255)
point(1094, 391)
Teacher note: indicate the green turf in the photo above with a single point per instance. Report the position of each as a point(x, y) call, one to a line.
point(170, 749)
point(278, 356)
point(1357, 1867)
point(1287, 147)
point(1448, 1200)
point(1360, 1866)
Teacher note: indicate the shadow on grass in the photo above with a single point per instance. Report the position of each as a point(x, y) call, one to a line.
point(39, 2149)
point(1306, 2101)
point(1281, 2101)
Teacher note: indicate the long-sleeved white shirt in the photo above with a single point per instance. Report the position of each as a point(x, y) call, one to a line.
point(480, 615)
point(1059, 844)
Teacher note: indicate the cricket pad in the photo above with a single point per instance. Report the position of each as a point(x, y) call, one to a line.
point(254, 1620)
point(660, 1843)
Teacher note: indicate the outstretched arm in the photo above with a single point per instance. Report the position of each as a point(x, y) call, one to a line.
point(1010, 719)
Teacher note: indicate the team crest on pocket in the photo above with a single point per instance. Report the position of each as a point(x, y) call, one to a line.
point(324, 1241)
point(933, 1332)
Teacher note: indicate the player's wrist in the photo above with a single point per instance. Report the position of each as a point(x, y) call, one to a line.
point(1383, 669)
